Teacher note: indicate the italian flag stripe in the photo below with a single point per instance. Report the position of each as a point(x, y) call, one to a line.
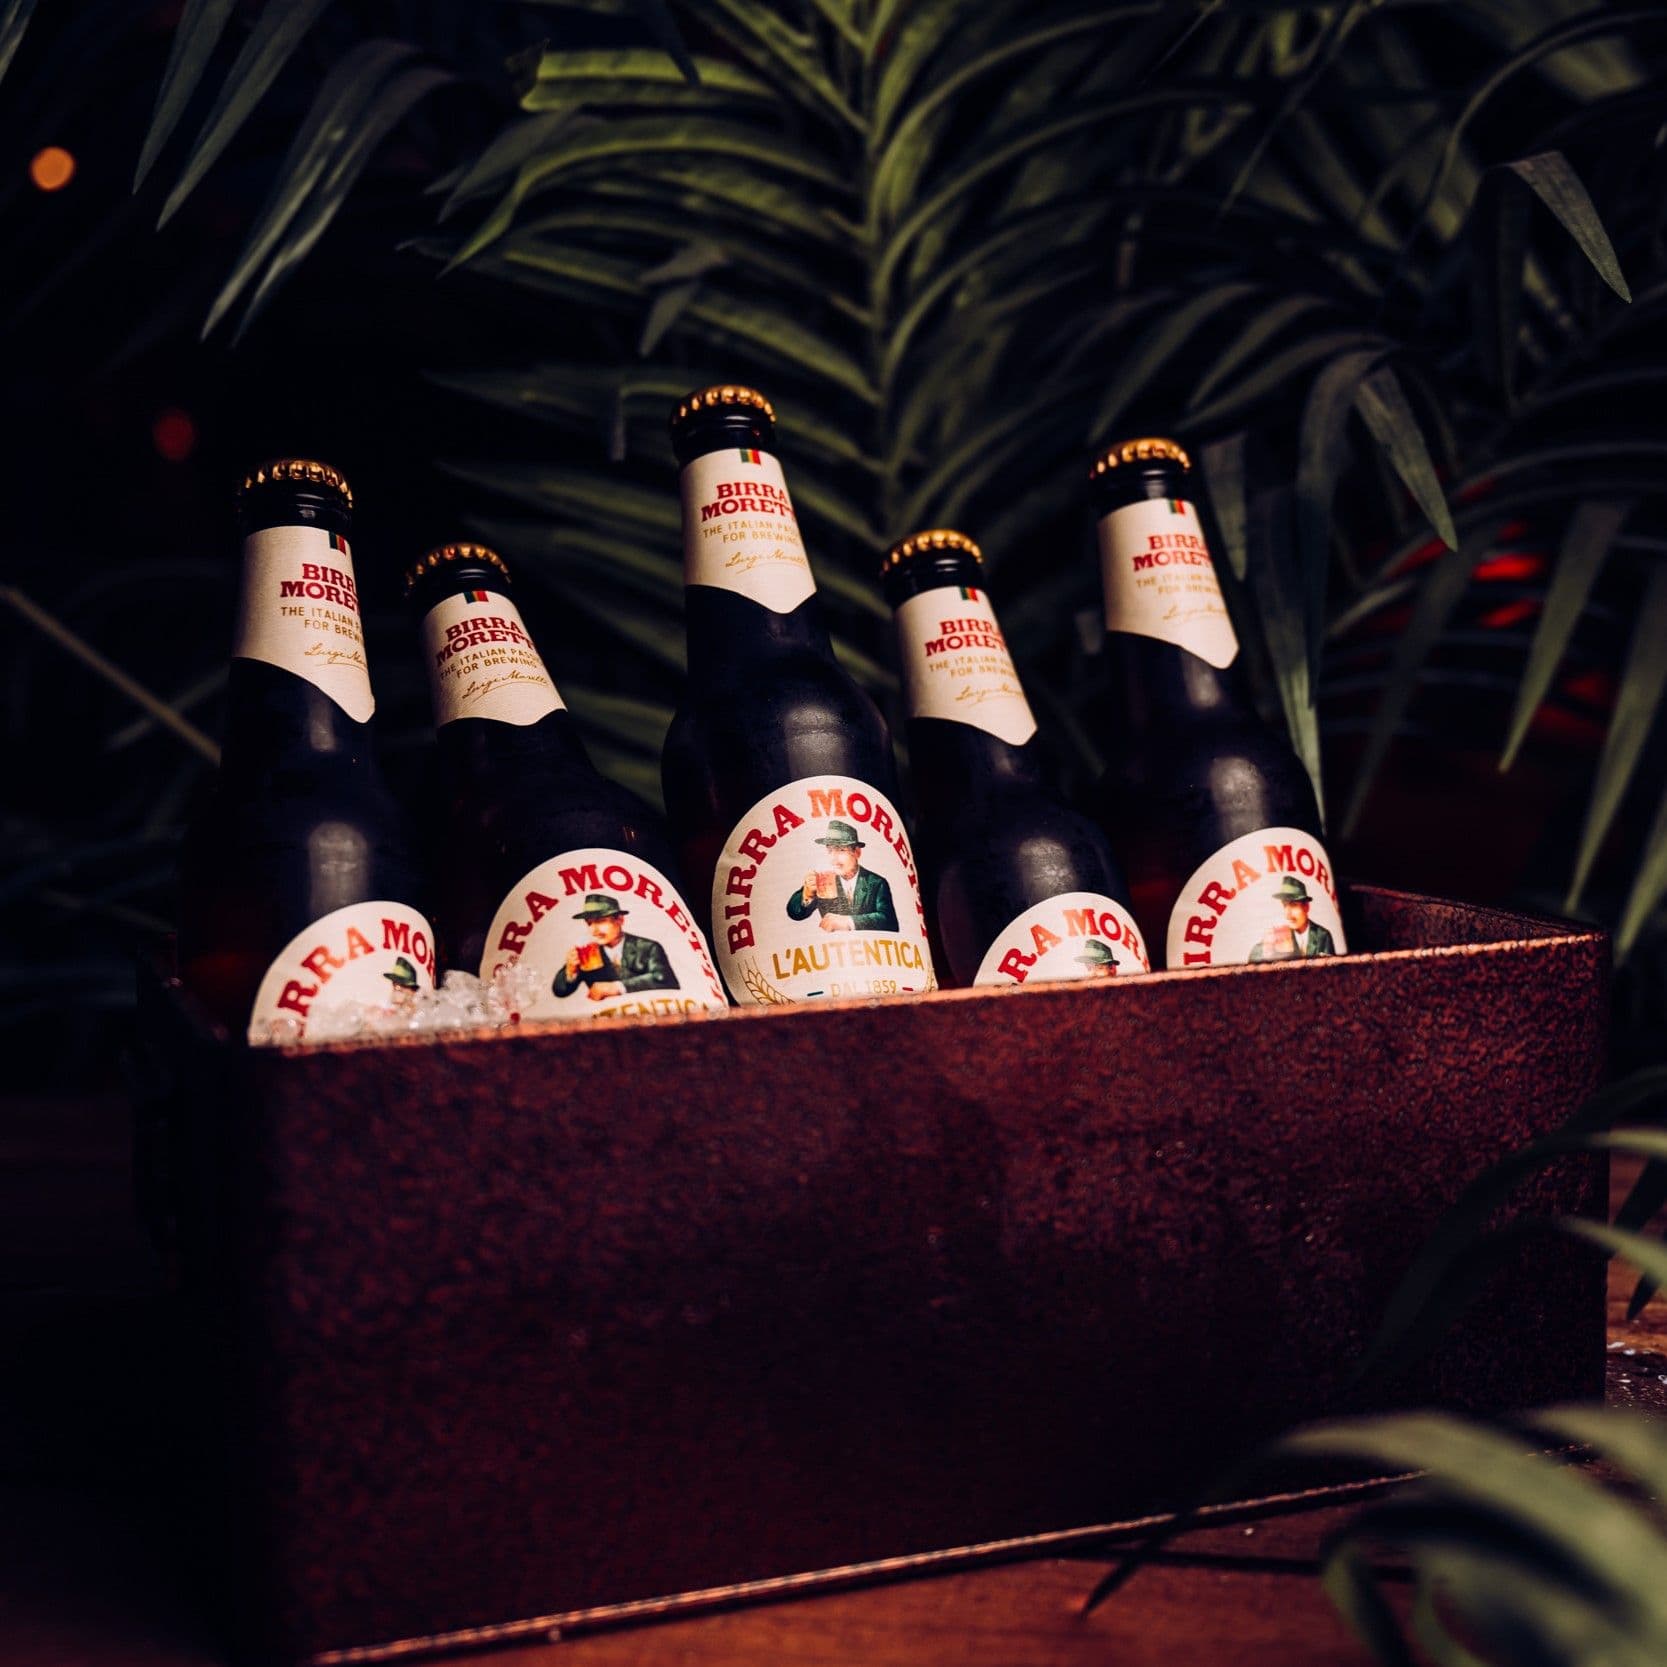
point(968, 593)
point(474, 596)
point(337, 542)
point(748, 455)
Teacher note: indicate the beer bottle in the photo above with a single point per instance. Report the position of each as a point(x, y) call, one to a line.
point(1213, 815)
point(299, 892)
point(544, 862)
point(1020, 887)
point(778, 769)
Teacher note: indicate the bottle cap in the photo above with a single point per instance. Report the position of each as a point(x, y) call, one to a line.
point(305, 470)
point(475, 555)
point(929, 543)
point(1138, 451)
point(726, 394)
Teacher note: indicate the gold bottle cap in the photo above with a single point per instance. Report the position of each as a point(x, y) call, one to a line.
point(477, 555)
point(714, 398)
point(298, 468)
point(1138, 451)
point(926, 543)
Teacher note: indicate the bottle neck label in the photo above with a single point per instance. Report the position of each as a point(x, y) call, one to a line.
point(740, 532)
point(369, 956)
point(299, 611)
point(1079, 934)
point(1160, 581)
point(956, 664)
point(482, 663)
point(816, 895)
point(1268, 896)
point(602, 932)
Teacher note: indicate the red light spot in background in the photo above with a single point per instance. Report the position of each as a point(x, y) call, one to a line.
point(1511, 613)
point(1511, 566)
point(1597, 687)
point(174, 435)
point(51, 169)
point(1425, 553)
point(1551, 724)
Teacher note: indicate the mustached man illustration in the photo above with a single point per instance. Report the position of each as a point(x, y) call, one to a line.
point(625, 964)
point(861, 901)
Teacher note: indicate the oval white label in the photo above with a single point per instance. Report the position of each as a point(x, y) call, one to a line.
point(816, 895)
point(1268, 896)
point(1160, 581)
point(299, 610)
point(1079, 934)
point(605, 932)
point(740, 532)
point(376, 954)
point(956, 664)
point(482, 663)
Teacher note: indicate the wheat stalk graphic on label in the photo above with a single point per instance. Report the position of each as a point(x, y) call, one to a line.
point(761, 989)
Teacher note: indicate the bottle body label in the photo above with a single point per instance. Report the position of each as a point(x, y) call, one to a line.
point(1078, 934)
point(739, 529)
point(1268, 896)
point(299, 610)
point(816, 895)
point(1160, 581)
point(956, 664)
point(482, 663)
point(375, 954)
point(605, 933)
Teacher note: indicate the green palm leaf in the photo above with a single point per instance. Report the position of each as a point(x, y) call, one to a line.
point(1592, 531)
point(634, 138)
point(638, 77)
point(340, 105)
point(195, 37)
point(662, 25)
point(1643, 683)
point(1437, 598)
point(281, 27)
point(1649, 884)
point(14, 19)
point(381, 114)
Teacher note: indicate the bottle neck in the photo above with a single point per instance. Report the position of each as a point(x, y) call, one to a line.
point(299, 682)
point(496, 707)
point(970, 725)
point(1172, 644)
point(729, 636)
point(482, 663)
point(491, 758)
point(750, 590)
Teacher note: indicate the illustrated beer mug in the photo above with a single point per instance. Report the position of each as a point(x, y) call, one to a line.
point(827, 883)
point(590, 957)
point(1279, 943)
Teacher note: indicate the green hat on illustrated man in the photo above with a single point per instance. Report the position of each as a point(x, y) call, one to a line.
point(404, 975)
point(841, 833)
point(1292, 890)
point(1095, 954)
point(599, 906)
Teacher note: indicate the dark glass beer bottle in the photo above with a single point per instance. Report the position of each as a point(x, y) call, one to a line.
point(778, 769)
point(299, 894)
point(1021, 887)
point(1212, 813)
point(544, 862)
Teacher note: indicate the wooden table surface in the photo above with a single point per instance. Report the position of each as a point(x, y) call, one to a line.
point(96, 1572)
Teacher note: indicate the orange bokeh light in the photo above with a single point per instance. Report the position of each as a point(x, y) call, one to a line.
point(174, 435)
point(51, 169)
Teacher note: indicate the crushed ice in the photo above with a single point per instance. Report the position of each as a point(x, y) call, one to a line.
point(462, 1002)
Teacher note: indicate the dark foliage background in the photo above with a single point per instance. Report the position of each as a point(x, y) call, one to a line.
point(1369, 260)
